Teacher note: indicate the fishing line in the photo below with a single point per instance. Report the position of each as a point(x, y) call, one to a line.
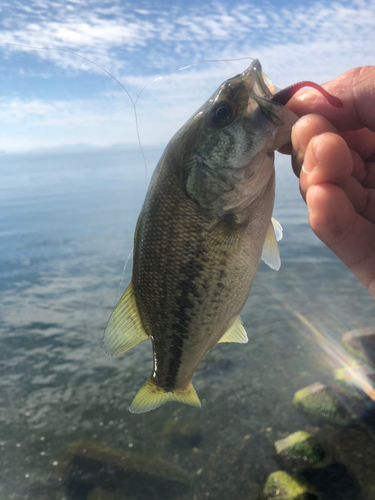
point(102, 69)
point(136, 121)
point(190, 66)
point(123, 273)
point(133, 102)
point(164, 76)
point(168, 74)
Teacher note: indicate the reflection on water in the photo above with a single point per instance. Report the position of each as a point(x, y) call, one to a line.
point(66, 226)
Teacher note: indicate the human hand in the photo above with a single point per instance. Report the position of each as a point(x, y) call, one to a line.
point(334, 157)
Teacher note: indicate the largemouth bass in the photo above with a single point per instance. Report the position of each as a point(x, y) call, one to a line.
point(203, 229)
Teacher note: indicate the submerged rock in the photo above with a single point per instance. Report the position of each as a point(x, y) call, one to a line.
point(300, 449)
point(321, 402)
point(99, 494)
point(282, 486)
point(88, 466)
point(361, 343)
point(181, 434)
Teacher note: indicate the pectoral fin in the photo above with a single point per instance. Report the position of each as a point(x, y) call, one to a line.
point(271, 254)
point(150, 396)
point(235, 333)
point(124, 329)
point(278, 229)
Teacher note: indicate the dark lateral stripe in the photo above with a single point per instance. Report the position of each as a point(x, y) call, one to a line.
point(175, 354)
point(190, 272)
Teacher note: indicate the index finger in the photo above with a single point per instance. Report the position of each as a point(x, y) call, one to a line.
point(355, 89)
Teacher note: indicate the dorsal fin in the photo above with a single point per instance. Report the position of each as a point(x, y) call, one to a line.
point(235, 333)
point(150, 396)
point(124, 329)
point(271, 254)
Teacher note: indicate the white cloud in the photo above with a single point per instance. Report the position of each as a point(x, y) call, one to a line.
point(316, 42)
point(36, 123)
point(101, 31)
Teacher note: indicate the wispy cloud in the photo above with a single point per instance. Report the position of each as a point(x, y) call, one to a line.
point(318, 41)
point(111, 32)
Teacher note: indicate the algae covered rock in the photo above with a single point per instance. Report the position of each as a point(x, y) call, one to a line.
point(88, 466)
point(361, 343)
point(321, 402)
point(300, 449)
point(282, 486)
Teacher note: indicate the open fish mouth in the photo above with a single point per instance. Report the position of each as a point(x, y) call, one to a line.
point(259, 83)
point(261, 90)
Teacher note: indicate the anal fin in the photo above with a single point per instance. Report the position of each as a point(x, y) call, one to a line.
point(124, 329)
point(150, 396)
point(235, 333)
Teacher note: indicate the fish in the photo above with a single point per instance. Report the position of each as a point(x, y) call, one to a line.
point(204, 227)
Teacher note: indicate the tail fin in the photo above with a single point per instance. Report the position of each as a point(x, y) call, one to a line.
point(150, 396)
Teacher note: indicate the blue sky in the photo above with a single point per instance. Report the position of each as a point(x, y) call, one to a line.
point(53, 98)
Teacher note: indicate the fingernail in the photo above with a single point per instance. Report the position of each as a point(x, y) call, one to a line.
point(310, 161)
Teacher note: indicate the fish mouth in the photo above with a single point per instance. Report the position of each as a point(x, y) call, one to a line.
point(258, 82)
point(261, 90)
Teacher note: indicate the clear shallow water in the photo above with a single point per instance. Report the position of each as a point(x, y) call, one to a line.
point(66, 229)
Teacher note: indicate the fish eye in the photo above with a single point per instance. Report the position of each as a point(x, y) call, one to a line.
point(222, 114)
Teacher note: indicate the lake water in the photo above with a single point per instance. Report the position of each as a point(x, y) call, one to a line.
point(66, 229)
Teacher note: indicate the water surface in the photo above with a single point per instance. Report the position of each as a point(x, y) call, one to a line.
point(66, 229)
